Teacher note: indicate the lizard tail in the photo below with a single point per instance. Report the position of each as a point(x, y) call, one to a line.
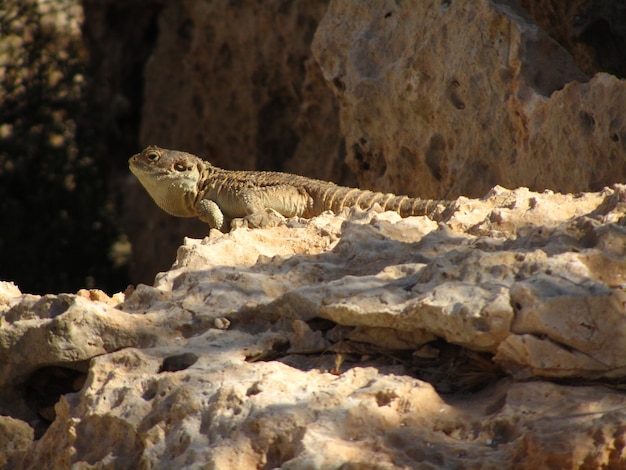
point(415, 206)
point(403, 205)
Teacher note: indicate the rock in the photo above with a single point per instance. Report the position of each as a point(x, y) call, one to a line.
point(16, 439)
point(462, 97)
point(344, 340)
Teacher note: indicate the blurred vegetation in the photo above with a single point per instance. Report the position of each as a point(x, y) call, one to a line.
point(58, 230)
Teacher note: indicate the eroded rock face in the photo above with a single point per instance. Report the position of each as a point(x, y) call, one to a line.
point(441, 99)
point(307, 345)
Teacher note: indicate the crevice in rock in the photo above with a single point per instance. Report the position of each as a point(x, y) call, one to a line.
point(43, 389)
point(448, 367)
point(455, 369)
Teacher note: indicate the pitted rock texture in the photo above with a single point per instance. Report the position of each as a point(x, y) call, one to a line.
point(308, 345)
point(441, 99)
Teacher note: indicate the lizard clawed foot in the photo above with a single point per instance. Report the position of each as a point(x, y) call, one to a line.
point(268, 218)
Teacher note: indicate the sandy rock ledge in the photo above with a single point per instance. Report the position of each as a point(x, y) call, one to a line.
point(360, 339)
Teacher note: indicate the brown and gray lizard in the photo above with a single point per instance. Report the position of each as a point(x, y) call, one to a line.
point(184, 185)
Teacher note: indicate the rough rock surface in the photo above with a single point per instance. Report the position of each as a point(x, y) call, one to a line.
point(359, 339)
point(448, 98)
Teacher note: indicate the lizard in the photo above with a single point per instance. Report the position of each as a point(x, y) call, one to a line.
point(185, 185)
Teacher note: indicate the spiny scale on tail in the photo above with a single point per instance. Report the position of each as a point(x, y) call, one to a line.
point(335, 198)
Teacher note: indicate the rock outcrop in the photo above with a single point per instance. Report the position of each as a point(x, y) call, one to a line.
point(360, 339)
point(441, 99)
point(356, 340)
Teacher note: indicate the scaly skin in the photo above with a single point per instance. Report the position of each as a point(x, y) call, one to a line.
point(184, 185)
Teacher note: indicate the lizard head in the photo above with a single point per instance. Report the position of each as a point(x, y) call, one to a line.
point(170, 177)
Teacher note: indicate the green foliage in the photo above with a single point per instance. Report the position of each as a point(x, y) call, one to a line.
point(56, 223)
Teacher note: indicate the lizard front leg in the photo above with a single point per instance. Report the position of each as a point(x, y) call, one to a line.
point(265, 206)
point(209, 212)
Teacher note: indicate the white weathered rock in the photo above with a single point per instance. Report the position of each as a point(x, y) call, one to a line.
point(227, 362)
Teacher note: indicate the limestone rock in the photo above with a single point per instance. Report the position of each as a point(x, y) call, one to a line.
point(63, 329)
point(312, 344)
point(462, 96)
point(16, 438)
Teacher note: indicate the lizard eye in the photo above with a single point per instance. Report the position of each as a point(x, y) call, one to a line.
point(181, 167)
point(153, 156)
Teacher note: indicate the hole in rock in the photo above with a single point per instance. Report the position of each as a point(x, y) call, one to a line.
point(43, 389)
point(339, 84)
point(588, 122)
point(178, 362)
point(150, 392)
point(436, 156)
point(359, 156)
